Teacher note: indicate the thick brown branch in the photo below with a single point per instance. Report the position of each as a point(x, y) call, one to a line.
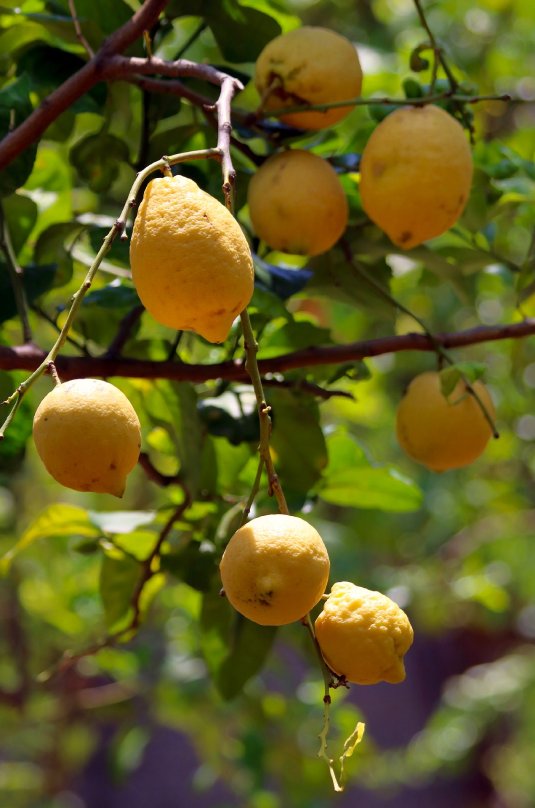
point(106, 65)
point(29, 357)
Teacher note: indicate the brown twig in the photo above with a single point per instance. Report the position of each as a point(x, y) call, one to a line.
point(78, 29)
point(124, 331)
point(29, 357)
point(16, 275)
point(148, 570)
point(156, 476)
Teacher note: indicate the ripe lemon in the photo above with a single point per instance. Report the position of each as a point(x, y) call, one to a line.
point(415, 174)
point(310, 66)
point(275, 569)
point(443, 433)
point(191, 263)
point(297, 203)
point(88, 436)
point(363, 635)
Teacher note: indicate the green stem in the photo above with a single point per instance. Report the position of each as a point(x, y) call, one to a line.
point(440, 58)
point(251, 364)
point(396, 102)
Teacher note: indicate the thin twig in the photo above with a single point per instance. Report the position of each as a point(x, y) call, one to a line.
point(78, 29)
point(124, 331)
point(394, 102)
point(156, 476)
point(16, 275)
point(50, 320)
point(148, 571)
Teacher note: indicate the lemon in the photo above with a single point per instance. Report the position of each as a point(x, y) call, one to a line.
point(275, 569)
point(363, 635)
point(297, 203)
point(309, 66)
point(88, 436)
point(191, 263)
point(443, 433)
point(415, 174)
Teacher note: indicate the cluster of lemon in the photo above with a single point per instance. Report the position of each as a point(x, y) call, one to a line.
point(192, 268)
point(274, 571)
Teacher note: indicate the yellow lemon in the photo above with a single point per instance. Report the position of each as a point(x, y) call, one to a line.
point(363, 635)
point(443, 433)
point(88, 436)
point(297, 203)
point(309, 66)
point(275, 569)
point(191, 263)
point(415, 174)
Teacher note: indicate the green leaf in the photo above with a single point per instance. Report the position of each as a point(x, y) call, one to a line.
point(21, 215)
point(48, 67)
point(453, 374)
point(174, 406)
point(234, 648)
point(53, 522)
point(15, 107)
point(240, 32)
point(297, 441)
point(367, 487)
point(54, 247)
point(351, 481)
point(119, 576)
point(336, 278)
point(98, 159)
point(121, 521)
point(36, 281)
point(195, 564)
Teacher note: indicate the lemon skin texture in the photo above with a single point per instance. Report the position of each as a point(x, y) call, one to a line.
point(88, 436)
point(312, 66)
point(363, 635)
point(297, 203)
point(191, 264)
point(443, 433)
point(415, 174)
point(275, 569)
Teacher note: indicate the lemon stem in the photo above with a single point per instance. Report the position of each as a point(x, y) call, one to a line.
point(251, 365)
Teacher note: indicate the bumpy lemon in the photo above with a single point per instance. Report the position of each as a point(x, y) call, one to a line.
point(88, 436)
point(416, 173)
point(275, 569)
point(297, 203)
point(309, 66)
point(443, 433)
point(191, 263)
point(363, 635)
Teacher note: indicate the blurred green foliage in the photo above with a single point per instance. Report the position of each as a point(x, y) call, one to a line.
point(454, 549)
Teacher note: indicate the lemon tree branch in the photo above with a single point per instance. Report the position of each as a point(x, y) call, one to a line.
point(29, 357)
